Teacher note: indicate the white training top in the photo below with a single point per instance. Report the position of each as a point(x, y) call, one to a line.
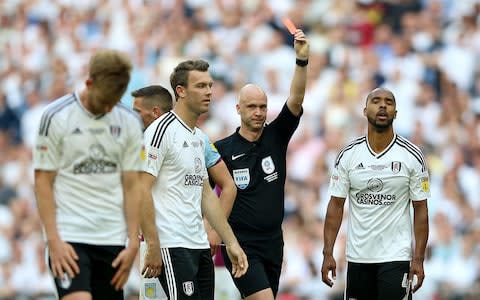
point(176, 157)
point(89, 154)
point(379, 188)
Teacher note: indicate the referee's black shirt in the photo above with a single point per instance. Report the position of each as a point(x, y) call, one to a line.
point(259, 206)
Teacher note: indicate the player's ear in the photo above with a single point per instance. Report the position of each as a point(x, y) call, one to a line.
point(157, 112)
point(89, 82)
point(395, 115)
point(180, 89)
point(238, 108)
point(365, 111)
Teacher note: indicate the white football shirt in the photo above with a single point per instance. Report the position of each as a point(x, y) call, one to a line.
point(89, 154)
point(379, 188)
point(176, 157)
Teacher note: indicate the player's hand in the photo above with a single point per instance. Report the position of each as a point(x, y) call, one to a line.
point(123, 263)
point(214, 240)
point(238, 258)
point(416, 268)
point(329, 265)
point(152, 263)
point(301, 45)
point(63, 258)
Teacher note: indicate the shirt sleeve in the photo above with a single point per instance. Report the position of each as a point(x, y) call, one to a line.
point(134, 152)
point(212, 157)
point(48, 146)
point(419, 182)
point(154, 152)
point(339, 185)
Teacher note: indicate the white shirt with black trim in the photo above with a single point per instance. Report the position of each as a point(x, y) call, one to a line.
point(380, 188)
point(176, 157)
point(89, 154)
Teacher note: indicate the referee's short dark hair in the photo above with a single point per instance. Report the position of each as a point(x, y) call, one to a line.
point(155, 95)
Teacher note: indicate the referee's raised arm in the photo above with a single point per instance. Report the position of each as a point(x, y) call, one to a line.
point(299, 80)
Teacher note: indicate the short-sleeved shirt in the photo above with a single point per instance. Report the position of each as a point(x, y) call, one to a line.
point(176, 157)
point(259, 170)
point(380, 188)
point(212, 157)
point(89, 153)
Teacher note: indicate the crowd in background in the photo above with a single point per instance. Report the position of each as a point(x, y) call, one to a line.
point(426, 52)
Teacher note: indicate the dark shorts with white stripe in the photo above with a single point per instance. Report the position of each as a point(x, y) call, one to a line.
point(378, 281)
point(187, 274)
point(96, 272)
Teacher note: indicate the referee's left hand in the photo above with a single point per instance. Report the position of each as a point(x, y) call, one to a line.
point(123, 263)
point(238, 258)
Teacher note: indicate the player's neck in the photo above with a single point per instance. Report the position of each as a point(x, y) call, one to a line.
point(84, 100)
point(186, 115)
point(250, 135)
point(379, 140)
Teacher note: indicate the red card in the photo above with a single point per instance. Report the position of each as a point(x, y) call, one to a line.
point(290, 26)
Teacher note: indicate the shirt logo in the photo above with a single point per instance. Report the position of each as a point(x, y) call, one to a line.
point(150, 290)
point(396, 167)
point(97, 163)
point(425, 185)
point(188, 288)
point(77, 131)
point(198, 165)
point(115, 130)
point(241, 178)
point(375, 185)
point(360, 166)
point(234, 157)
point(65, 282)
point(267, 165)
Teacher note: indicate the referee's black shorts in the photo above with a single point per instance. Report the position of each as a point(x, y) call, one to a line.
point(378, 281)
point(264, 266)
point(188, 274)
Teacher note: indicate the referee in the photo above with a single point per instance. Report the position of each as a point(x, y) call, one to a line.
point(256, 157)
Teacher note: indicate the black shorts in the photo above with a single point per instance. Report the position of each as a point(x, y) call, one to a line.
point(187, 274)
point(96, 272)
point(264, 266)
point(379, 281)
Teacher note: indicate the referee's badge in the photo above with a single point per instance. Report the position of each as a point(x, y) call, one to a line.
point(188, 288)
point(241, 178)
point(267, 165)
point(150, 290)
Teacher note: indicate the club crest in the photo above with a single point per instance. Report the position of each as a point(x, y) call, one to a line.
point(115, 130)
point(188, 288)
point(150, 290)
point(396, 166)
